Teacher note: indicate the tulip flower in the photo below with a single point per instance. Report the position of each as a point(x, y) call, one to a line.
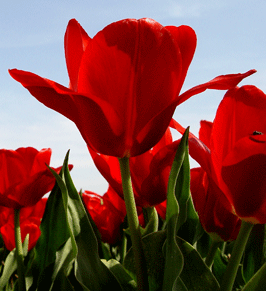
point(25, 178)
point(124, 83)
point(149, 171)
point(240, 158)
point(235, 156)
point(108, 212)
point(30, 220)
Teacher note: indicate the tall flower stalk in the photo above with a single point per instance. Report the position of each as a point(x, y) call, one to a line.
point(134, 227)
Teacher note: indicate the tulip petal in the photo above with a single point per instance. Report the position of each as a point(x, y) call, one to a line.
point(187, 41)
point(76, 41)
point(51, 94)
point(100, 125)
point(164, 141)
point(205, 132)
point(42, 159)
point(223, 82)
point(153, 131)
point(247, 189)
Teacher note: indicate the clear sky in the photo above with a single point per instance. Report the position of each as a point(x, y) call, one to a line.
point(231, 39)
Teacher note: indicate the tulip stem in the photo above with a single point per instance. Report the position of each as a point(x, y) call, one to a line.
point(19, 251)
point(134, 227)
point(234, 261)
point(211, 254)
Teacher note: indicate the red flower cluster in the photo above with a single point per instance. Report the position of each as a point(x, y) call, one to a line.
point(30, 220)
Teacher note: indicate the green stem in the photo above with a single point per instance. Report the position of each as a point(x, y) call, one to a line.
point(134, 227)
point(211, 254)
point(234, 261)
point(19, 251)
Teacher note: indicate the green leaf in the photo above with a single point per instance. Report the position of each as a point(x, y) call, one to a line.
point(204, 244)
point(89, 269)
point(179, 285)
point(173, 256)
point(191, 230)
point(174, 260)
point(126, 281)
point(258, 281)
point(172, 204)
point(219, 265)
point(62, 282)
point(152, 246)
point(188, 224)
point(254, 252)
point(9, 268)
point(195, 274)
point(182, 189)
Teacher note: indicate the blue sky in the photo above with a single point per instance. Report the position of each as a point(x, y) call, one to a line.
point(231, 39)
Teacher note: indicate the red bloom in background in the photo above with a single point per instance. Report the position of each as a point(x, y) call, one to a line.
point(124, 83)
point(25, 178)
point(213, 207)
point(149, 171)
point(30, 220)
point(108, 212)
point(235, 157)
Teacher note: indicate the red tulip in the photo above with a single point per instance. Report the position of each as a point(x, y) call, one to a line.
point(30, 220)
point(236, 155)
point(124, 83)
point(149, 171)
point(25, 178)
point(108, 212)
